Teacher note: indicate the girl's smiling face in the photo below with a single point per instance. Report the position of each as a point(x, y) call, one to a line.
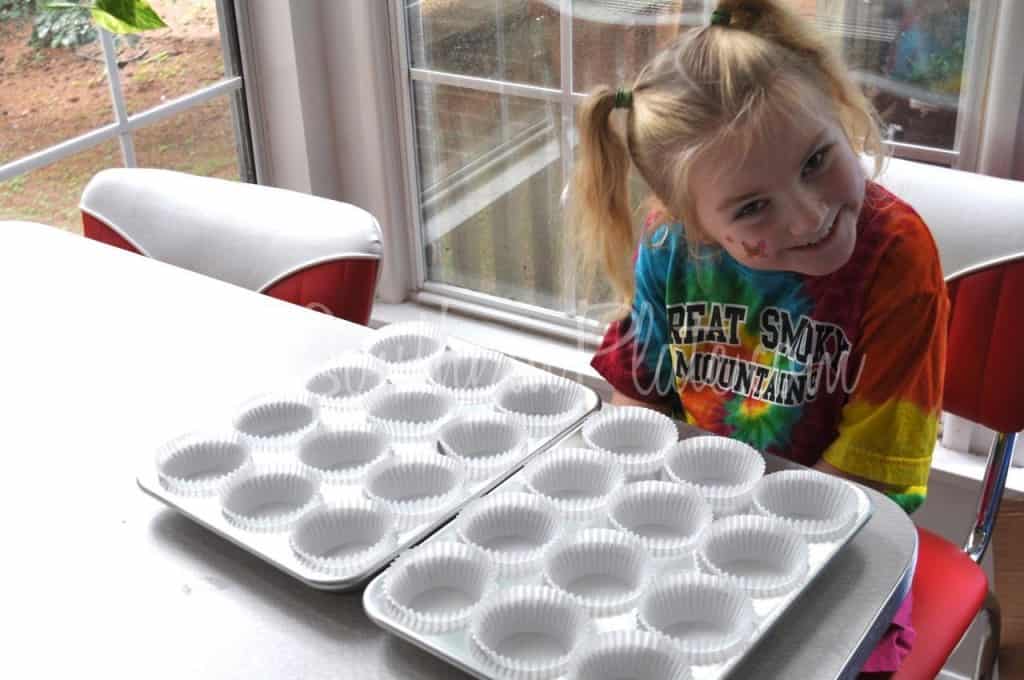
point(792, 204)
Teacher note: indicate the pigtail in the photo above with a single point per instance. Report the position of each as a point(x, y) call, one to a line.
point(600, 197)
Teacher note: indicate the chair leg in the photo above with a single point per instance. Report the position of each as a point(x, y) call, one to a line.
point(990, 646)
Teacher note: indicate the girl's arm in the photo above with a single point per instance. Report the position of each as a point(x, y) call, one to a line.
point(823, 466)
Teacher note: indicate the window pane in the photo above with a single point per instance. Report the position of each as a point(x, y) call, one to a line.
point(910, 58)
point(200, 141)
point(613, 40)
point(47, 95)
point(50, 195)
point(490, 203)
point(514, 40)
point(174, 61)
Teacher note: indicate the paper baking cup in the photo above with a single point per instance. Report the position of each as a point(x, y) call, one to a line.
point(724, 470)
point(270, 498)
point(345, 383)
point(603, 570)
point(546, 403)
point(667, 518)
point(485, 443)
point(762, 555)
point(343, 456)
point(407, 348)
point(818, 506)
point(410, 412)
point(345, 539)
point(628, 654)
point(276, 422)
point(529, 632)
point(514, 529)
point(707, 617)
point(417, 486)
point(577, 481)
point(201, 464)
point(437, 587)
point(638, 437)
point(470, 377)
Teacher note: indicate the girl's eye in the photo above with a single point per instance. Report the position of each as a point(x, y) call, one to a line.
point(816, 161)
point(751, 208)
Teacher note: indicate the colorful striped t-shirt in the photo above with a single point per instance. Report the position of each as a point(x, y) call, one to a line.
point(847, 367)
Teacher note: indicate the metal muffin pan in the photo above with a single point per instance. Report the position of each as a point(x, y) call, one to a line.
point(459, 648)
point(274, 546)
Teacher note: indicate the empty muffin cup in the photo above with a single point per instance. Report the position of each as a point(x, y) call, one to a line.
point(545, 403)
point(603, 570)
point(818, 506)
point(276, 422)
point(406, 348)
point(762, 555)
point(724, 470)
point(343, 456)
point(638, 437)
point(485, 443)
point(513, 529)
point(470, 377)
point(201, 464)
point(417, 486)
point(410, 412)
point(628, 654)
point(667, 518)
point(707, 618)
point(577, 481)
point(345, 383)
point(348, 538)
point(270, 498)
point(437, 587)
point(529, 631)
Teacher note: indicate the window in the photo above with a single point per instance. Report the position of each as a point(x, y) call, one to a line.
point(76, 101)
point(491, 93)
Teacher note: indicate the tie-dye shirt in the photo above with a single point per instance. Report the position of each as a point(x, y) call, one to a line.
point(846, 367)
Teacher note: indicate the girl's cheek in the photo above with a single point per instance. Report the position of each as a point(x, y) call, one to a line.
point(755, 250)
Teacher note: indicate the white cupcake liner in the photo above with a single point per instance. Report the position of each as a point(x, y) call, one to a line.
point(602, 570)
point(344, 455)
point(724, 470)
point(628, 654)
point(638, 437)
point(406, 348)
point(545, 403)
point(470, 377)
point(708, 618)
point(513, 529)
point(345, 539)
point(410, 412)
point(818, 506)
point(345, 383)
point(529, 632)
point(437, 587)
point(275, 422)
point(577, 481)
point(485, 443)
point(667, 518)
point(201, 464)
point(417, 486)
point(762, 555)
point(270, 498)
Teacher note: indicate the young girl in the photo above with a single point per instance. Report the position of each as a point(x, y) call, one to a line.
point(778, 295)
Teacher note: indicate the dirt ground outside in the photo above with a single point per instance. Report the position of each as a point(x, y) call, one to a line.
point(49, 95)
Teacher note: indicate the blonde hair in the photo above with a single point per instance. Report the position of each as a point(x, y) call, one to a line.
point(714, 82)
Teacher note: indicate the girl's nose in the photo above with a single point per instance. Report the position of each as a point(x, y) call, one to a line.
point(806, 214)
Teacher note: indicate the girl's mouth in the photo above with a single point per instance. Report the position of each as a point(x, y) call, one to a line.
point(822, 237)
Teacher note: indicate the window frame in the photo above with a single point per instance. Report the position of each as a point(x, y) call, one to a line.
point(124, 125)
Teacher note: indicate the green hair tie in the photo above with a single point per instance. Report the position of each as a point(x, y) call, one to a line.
point(623, 99)
point(721, 17)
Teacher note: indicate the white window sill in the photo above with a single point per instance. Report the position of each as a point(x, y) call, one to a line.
point(563, 357)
